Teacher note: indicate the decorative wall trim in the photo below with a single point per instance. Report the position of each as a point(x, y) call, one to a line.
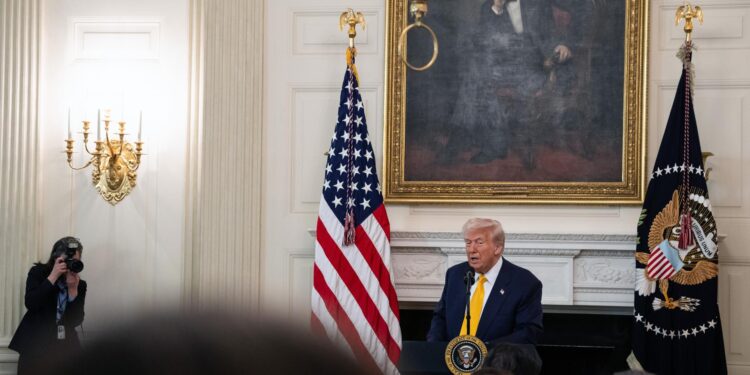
point(19, 158)
point(115, 39)
point(310, 38)
point(726, 31)
point(224, 183)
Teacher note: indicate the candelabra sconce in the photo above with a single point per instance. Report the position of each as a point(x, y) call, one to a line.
point(114, 161)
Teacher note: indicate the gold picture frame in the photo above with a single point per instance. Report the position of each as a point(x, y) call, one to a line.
point(421, 172)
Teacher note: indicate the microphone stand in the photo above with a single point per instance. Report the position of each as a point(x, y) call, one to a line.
point(469, 281)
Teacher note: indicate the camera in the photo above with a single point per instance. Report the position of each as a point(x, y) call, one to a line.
point(72, 263)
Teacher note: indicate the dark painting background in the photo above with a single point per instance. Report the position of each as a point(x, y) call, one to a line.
point(498, 106)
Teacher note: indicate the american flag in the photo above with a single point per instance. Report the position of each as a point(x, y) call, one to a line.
point(354, 301)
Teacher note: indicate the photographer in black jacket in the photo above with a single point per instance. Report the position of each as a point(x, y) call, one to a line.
point(55, 296)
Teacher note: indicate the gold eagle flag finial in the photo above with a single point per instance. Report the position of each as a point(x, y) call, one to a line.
point(688, 13)
point(351, 18)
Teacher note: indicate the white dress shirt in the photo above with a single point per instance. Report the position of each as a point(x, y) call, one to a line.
point(514, 11)
point(491, 276)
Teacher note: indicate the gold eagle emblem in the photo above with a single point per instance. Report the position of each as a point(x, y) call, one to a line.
point(666, 226)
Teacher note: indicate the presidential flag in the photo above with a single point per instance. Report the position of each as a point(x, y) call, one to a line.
point(354, 300)
point(677, 329)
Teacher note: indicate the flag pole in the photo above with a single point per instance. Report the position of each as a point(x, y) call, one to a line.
point(688, 13)
point(351, 18)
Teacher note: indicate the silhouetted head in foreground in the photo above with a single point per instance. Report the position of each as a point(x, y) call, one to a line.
point(516, 359)
point(209, 344)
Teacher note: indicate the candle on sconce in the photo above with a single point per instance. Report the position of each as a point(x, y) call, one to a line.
point(98, 125)
point(140, 125)
point(70, 135)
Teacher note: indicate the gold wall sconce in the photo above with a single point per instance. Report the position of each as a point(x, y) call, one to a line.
point(115, 161)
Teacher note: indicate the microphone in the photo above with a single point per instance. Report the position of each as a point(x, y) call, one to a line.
point(469, 278)
point(469, 281)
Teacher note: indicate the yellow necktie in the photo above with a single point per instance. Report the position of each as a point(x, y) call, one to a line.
point(475, 307)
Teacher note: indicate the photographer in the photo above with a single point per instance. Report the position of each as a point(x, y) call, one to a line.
point(55, 296)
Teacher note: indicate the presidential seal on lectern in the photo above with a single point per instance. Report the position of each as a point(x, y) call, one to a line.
point(465, 354)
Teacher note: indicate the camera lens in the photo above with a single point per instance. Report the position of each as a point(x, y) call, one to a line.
point(74, 265)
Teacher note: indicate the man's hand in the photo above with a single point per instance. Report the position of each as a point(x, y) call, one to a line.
point(563, 53)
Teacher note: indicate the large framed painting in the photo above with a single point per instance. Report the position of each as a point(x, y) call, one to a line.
point(529, 101)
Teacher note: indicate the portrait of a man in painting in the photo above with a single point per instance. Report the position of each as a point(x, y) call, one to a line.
point(522, 91)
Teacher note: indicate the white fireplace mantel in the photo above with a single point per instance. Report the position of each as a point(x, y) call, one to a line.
point(575, 269)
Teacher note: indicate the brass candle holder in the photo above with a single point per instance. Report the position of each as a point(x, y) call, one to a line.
point(115, 161)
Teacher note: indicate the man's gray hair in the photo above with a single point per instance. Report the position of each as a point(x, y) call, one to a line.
point(475, 223)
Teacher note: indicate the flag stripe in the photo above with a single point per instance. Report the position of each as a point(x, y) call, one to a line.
point(316, 326)
point(358, 291)
point(358, 259)
point(658, 263)
point(382, 217)
point(662, 265)
point(373, 258)
point(666, 273)
point(350, 308)
point(343, 322)
point(330, 325)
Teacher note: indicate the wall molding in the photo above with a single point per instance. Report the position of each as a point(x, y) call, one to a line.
point(330, 42)
point(96, 38)
point(223, 227)
point(19, 157)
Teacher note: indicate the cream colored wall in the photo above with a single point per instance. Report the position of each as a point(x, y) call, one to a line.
point(126, 56)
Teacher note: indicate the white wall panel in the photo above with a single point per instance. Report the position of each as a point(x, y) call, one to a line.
point(313, 34)
point(127, 58)
point(115, 39)
point(726, 27)
point(734, 305)
point(720, 111)
point(300, 276)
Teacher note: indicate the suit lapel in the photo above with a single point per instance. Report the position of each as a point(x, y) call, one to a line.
point(458, 310)
point(496, 299)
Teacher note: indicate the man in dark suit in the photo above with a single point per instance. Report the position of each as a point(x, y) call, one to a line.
point(506, 299)
point(510, 57)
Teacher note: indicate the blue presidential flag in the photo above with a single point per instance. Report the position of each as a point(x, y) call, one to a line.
point(677, 329)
